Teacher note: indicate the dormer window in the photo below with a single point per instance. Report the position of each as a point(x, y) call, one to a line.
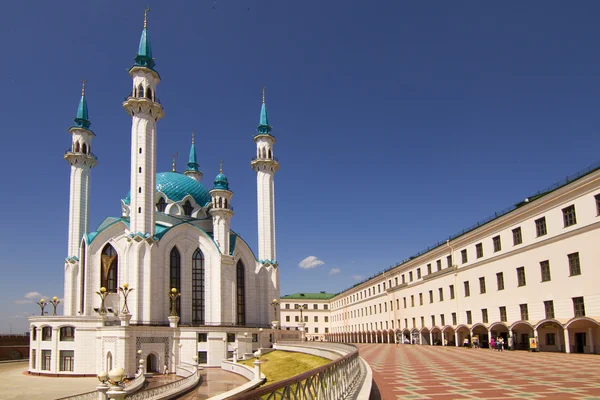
point(161, 206)
point(187, 208)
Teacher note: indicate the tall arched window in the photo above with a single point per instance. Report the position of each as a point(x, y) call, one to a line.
point(175, 275)
point(198, 287)
point(187, 208)
point(149, 93)
point(109, 361)
point(140, 91)
point(84, 148)
point(161, 206)
point(109, 268)
point(241, 294)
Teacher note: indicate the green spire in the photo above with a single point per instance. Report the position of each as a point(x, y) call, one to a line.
point(144, 54)
point(264, 128)
point(82, 119)
point(221, 180)
point(192, 162)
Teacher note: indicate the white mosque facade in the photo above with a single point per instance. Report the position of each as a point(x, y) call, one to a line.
point(194, 287)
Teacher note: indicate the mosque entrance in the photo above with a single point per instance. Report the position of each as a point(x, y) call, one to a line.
point(152, 363)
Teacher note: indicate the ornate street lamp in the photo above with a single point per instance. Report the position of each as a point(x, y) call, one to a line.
point(125, 290)
point(174, 295)
point(55, 302)
point(275, 304)
point(102, 293)
point(42, 303)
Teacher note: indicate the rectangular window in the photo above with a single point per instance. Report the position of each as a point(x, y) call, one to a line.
point(404, 302)
point(540, 226)
point(469, 319)
point(463, 255)
point(467, 289)
point(287, 306)
point(578, 307)
point(441, 294)
point(306, 318)
point(316, 319)
point(453, 318)
point(414, 320)
point(503, 314)
point(379, 288)
point(484, 315)
point(406, 322)
point(231, 337)
point(296, 306)
point(326, 319)
point(326, 330)
point(479, 250)
point(315, 306)
point(521, 276)
point(482, 285)
point(287, 318)
point(47, 333)
point(420, 299)
point(202, 337)
point(428, 269)
point(597, 197)
point(439, 265)
point(517, 237)
point(255, 338)
point(422, 322)
point(383, 285)
point(296, 318)
point(410, 276)
point(433, 320)
point(418, 273)
point(569, 216)
point(32, 360)
point(385, 307)
point(325, 307)
point(574, 265)
point(442, 319)
point(497, 243)
point(449, 261)
point(396, 281)
point(524, 312)
point(500, 280)
point(431, 296)
point(403, 279)
point(316, 330)
point(545, 270)
point(451, 291)
point(67, 334)
point(412, 300)
point(549, 308)
point(46, 358)
point(550, 339)
point(202, 357)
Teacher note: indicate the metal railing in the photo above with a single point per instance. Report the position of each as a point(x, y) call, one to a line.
point(82, 396)
point(198, 324)
point(332, 381)
point(170, 389)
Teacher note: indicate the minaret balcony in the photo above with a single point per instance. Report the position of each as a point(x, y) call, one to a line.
point(75, 158)
point(265, 164)
point(136, 105)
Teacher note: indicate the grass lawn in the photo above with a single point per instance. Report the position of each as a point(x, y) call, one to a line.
point(279, 365)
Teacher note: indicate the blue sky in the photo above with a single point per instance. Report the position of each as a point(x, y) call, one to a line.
point(397, 123)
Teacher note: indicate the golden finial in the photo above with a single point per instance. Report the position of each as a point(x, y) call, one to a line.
point(146, 17)
point(83, 87)
point(193, 132)
point(221, 167)
point(264, 90)
point(174, 160)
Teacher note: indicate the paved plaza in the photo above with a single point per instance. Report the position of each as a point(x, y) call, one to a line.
point(435, 372)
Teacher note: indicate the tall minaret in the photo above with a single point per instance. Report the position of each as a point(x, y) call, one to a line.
point(193, 170)
point(221, 212)
point(265, 165)
point(82, 160)
point(145, 111)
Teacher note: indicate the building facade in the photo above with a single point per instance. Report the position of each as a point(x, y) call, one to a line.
point(167, 280)
point(308, 313)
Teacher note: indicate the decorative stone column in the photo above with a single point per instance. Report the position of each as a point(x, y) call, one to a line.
point(456, 339)
point(567, 341)
point(591, 336)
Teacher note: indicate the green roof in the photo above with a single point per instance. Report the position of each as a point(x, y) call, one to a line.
point(308, 296)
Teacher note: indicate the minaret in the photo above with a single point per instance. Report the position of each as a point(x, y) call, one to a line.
point(221, 212)
point(193, 170)
point(82, 160)
point(145, 110)
point(265, 165)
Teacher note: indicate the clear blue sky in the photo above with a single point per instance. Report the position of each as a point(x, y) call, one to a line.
point(397, 123)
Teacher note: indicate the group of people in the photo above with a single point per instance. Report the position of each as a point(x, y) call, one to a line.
point(497, 344)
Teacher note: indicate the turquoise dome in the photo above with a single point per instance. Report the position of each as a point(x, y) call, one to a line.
point(221, 182)
point(176, 186)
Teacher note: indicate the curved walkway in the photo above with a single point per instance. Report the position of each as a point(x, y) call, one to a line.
point(214, 381)
point(435, 372)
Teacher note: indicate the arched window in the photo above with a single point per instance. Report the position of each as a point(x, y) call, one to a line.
point(140, 91)
point(175, 274)
point(109, 363)
point(109, 268)
point(76, 147)
point(225, 203)
point(241, 294)
point(149, 93)
point(270, 155)
point(161, 206)
point(187, 208)
point(198, 287)
point(220, 202)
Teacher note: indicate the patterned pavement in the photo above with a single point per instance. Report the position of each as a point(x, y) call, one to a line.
point(435, 372)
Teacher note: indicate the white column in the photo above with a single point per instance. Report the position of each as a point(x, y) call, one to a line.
point(567, 341)
point(430, 338)
point(591, 339)
point(456, 339)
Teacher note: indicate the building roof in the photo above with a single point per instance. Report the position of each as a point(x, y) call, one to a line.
point(308, 296)
point(176, 186)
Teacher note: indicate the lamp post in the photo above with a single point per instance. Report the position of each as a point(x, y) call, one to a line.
point(116, 376)
point(42, 303)
point(102, 293)
point(302, 324)
point(125, 290)
point(103, 387)
point(275, 304)
point(55, 302)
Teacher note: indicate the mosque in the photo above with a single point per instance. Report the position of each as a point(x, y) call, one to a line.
point(168, 280)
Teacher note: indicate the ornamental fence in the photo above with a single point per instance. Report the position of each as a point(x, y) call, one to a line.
point(169, 390)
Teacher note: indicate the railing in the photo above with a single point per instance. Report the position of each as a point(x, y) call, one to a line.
point(170, 389)
point(129, 387)
point(70, 151)
point(563, 182)
point(330, 382)
point(82, 396)
point(198, 324)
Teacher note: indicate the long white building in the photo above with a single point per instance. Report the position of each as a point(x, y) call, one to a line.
point(527, 273)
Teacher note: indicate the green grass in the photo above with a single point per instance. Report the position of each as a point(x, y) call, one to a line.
point(279, 365)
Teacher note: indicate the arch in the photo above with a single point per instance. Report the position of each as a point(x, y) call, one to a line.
point(220, 202)
point(225, 203)
point(436, 328)
point(140, 90)
point(109, 270)
point(240, 293)
point(270, 154)
point(448, 328)
point(548, 321)
point(187, 208)
point(175, 275)
point(198, 287)
point(424, 330)
point(577, 319)
point(477, 325)
point(462, 327)
point(152, 363)
point(109, 361)
point(161, 205)
point(84, 148)
point(522, 322)
point(76, 147)
point(498, 324)
point(149, 93)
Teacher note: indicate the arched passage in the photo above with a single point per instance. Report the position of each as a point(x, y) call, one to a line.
point(550, 335)
point(436, 336)
point(583, 335)
point(521, 332)
point(152, 363)
point(425, 337)
point(448, 336)
point(480, 332)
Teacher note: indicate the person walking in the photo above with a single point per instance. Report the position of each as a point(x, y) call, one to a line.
point(501, 344)
point(493, 344)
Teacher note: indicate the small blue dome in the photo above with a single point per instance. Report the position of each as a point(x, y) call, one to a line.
point(176, 186)
point(221, 182)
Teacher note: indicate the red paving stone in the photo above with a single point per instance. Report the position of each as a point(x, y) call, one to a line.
point(434, 372)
